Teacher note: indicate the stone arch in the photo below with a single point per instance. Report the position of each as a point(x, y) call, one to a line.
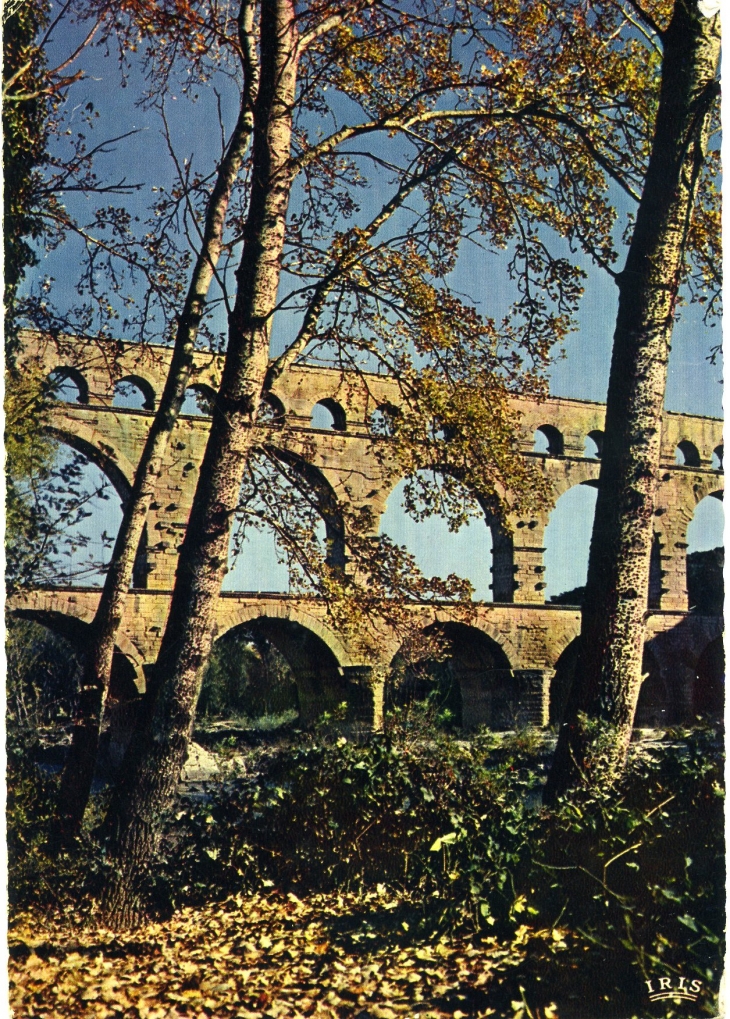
point(63, 372)
point(320, 683)
point(336, 411)
point(705, 557)
point(504, 639)
point(596, 437)
point(326, 499)
point(567, 541)
point(719, 453)
point(708, 689)
point(660, 702)
point(561, 640)
point(687, 454)
point(703, 500)
point(144, 387)
point(271, 410)
point(483, 689)
point(127, 679)
point(561, 680)
point(231, 614)
point(199, 400)
point(553, 437)
point(113, 463)
point(381, 421)
point(119, 472)
point(502, 552)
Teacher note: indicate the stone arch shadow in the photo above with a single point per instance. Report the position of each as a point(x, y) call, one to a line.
point(480, 686)
point(127, 679)
point(310, 651)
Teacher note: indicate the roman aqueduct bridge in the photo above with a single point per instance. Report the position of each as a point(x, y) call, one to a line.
point(513, 645)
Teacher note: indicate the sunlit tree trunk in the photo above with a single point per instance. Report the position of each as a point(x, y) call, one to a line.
point(79, 769)
point(153, 762)
point(608, 672)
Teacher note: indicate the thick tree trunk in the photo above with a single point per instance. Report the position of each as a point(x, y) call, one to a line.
point(608, 672)
point(155, 757)
point(80, 764)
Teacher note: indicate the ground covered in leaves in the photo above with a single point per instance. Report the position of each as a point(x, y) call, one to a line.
point(269, 955)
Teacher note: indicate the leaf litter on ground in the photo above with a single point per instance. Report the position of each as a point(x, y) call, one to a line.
point(257, 956)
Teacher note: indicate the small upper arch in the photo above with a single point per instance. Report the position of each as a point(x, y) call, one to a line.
point(329, 414)
point(199, 400)
point(718, 454)
point(382, 420)
point(133, 393)
point(68, 385)
point(593, 449)
point(271, 410)
point(687, 454)
point(549, 440)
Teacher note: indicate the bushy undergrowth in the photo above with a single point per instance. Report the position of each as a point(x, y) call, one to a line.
point(629, 880)
point(37, 879)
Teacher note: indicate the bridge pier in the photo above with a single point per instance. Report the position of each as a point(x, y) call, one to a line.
point(366, 688)
point(528, 567)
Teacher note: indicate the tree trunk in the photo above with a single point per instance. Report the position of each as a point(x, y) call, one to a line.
point(80, 764)
point(157, 752)
point(608, 672)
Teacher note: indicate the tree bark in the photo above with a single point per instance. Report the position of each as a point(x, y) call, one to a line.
point(79, 768)
point(608, 672)
point(157, 752)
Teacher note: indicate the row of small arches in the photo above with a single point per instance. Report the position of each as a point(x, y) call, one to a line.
point(549, 442)
point(134, 392)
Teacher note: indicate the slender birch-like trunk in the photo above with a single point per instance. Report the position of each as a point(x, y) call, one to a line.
point(608, 672)
point(157, 752)
point(80, 764)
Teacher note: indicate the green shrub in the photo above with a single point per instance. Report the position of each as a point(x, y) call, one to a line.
point(631, 879)
point(38, 879)
point(418, 817)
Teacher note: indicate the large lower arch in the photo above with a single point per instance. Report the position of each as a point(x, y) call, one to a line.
point(708, 689)
point(127, 680)
point(232, 611)
point(662, 700)
point(483, 690)
point(320, 683)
